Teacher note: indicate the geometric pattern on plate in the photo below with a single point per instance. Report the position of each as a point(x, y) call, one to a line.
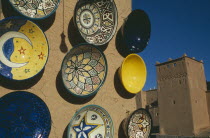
point(96, 21)
point(84, 70)
point(35, 8)
point(139, 125)
point(91, 121)
point(23, 49)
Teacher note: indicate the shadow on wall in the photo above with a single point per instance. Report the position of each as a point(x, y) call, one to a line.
point(120, 44)
point(66, 95)
point(208, 85)
point(138, 101)
point(73, 34)
point(121, 132)
point(9, 11)
point(20, 85)
point(75, 37)
point(65, 132)
point(120, 88)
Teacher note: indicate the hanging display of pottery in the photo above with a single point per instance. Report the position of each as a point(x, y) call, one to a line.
point(24, 53)
point(35, 9)
point(96, 20)
point(136, 31)
point(84, 70)
point(133, 73)
point(138, 124)
point(23, 114)
point(23, 49)
point(91, 121)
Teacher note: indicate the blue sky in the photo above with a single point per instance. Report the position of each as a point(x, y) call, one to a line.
point(177, 27)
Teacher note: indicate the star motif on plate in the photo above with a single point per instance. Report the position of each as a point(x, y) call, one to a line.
point(31, 31)
point(41, 56)
point(22, 51)
point(84, 129)
point(27, 70)
point(8, 25)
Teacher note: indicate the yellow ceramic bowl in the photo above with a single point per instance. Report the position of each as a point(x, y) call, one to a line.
point(133, 73)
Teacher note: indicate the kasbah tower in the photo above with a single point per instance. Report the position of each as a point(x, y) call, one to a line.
point(179, 104)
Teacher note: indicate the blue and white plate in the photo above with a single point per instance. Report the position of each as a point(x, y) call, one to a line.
point(91, 121)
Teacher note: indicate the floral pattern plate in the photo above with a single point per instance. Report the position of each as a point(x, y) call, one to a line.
point(23, 49)
point(96, 20)
point(35, 9)
point(138, 124)
point(84, 70)
point(24, 115)
point(91, 121)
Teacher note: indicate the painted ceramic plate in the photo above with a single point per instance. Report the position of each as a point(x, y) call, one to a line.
point(84, 70)
point(23, 49)
point(138, 124)
point(91, 121)
point(35, 9)
point(96, 20)
point(23, 114)
point(136, 31)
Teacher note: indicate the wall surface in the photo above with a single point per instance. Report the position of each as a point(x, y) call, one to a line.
point(175, 116)
point(49, 87)
point(208, 101)
point(198, 88)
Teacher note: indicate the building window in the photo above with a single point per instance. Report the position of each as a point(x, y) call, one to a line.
point(180, 82)
point(156, 114)
point(174, 64)
point(174, 102)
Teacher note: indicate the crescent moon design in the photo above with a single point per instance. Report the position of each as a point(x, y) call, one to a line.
point(3, 39)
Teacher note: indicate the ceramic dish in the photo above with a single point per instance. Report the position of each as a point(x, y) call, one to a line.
point(138, 124)
point(35, 9)
point(133, 73)
point(23, 114)
point(84, 70)
point(96, 20)
point(136, 31)
point(23, 49)
point(91, 121)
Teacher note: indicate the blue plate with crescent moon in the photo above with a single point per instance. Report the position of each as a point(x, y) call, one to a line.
point(23, 49)
point(91, 121)
point(24, 115)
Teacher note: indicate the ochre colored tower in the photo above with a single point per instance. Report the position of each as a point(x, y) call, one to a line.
point(182, 96)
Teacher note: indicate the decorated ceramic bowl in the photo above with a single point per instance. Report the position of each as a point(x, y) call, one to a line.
point(91, 121)
point(23, 49)
point(35, 9)
point(138, 124)
point(96, 20)
point(133, 73)
point(23, 114)
point(136, 31)
point(84, 70)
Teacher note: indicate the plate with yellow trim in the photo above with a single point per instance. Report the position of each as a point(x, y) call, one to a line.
point(84, 70)
point(91, 121)
point(23, 49)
